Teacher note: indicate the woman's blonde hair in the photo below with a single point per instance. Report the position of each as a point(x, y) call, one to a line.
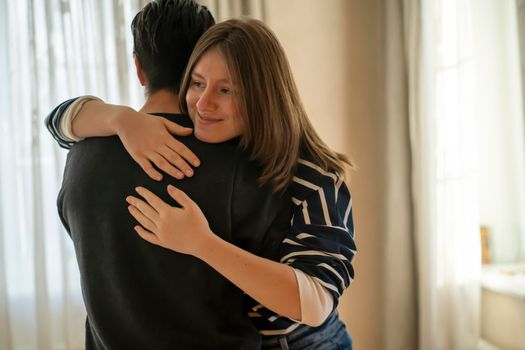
point(276, 127)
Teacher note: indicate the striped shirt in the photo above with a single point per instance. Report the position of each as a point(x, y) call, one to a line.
point(321, 239)
point(53, 124)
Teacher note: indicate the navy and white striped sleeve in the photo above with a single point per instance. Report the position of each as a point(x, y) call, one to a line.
point(321, 242)
point(53, 120)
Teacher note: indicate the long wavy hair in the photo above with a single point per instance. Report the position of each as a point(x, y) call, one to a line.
point(277, 130)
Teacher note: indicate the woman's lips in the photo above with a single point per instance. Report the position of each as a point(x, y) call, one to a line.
point(207, 120)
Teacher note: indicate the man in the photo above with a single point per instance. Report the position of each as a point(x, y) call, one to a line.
point(141, 296)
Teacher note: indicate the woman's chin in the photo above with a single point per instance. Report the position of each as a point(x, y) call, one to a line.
point(208, 137)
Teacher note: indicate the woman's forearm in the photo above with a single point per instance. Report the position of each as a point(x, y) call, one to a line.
point(97, 118)
point(271, 283)
point(186, 230)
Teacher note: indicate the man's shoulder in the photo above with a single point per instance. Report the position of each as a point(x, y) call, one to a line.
point(181, 119)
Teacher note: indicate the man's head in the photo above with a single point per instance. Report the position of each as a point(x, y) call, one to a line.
point(164, 34)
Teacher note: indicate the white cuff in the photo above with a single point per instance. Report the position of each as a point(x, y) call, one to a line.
point(66, 122)
point(316, 302)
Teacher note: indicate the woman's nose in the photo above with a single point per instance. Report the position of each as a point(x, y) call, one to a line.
point(206, 102)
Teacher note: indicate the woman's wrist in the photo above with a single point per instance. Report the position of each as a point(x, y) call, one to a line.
point(118, 118)
point(207, 246)
point(96, 119)
point(270, 283)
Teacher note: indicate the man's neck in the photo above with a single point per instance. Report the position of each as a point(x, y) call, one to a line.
point(162, 101)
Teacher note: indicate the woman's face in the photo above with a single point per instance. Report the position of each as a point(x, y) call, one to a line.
point(211, 100)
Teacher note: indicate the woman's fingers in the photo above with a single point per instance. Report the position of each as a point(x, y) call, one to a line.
point(183, 151)
point(179, 196)
point(146, 235)
point(141, 218)
point(166, 166)
point(151, 143)
point(177, 129)
point(145, 164)
point(180, 229)
point(175, 159)
point(144, 207)
point(152, 199)
point(177, 146)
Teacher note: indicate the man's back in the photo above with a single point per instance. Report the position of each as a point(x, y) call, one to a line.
point(140, 296)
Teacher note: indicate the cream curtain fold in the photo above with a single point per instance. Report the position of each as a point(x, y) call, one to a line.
point(399, 295)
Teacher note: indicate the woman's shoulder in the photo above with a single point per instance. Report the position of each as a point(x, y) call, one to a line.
point(310, 177)
point(309, 169)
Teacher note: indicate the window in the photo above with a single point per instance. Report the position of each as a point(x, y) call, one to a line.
point(499, 119)
point(55, 49)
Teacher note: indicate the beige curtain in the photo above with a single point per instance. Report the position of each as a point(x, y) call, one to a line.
point(399, 296)
point(225, 9)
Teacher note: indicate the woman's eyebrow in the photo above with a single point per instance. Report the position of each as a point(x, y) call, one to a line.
point(197, 75)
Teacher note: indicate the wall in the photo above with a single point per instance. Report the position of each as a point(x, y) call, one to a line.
point(334, 48)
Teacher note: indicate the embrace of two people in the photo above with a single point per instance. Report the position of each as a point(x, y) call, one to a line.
point(237, 232)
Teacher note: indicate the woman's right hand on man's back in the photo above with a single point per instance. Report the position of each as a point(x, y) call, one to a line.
point(149, 140)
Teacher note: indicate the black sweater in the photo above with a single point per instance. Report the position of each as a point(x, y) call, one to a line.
point(141, 296)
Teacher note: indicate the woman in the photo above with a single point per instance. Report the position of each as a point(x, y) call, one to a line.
point(238, 83)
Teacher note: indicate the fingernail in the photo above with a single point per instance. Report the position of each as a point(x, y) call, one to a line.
point(189, 172)
point(196, 163)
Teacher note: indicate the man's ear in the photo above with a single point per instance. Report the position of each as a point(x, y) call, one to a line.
point(140, 72)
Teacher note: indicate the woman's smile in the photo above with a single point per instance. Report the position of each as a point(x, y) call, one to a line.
point(207, 120)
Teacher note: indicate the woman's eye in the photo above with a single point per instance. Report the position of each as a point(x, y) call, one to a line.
point(197, 83)
point(225, 91)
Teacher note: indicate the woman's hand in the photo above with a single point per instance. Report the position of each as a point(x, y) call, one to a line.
point(184, 230)
point(148, 139)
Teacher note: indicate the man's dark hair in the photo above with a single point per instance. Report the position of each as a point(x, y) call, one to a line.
point(164, 34)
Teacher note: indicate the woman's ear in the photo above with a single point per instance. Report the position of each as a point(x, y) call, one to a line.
point(140, 72)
